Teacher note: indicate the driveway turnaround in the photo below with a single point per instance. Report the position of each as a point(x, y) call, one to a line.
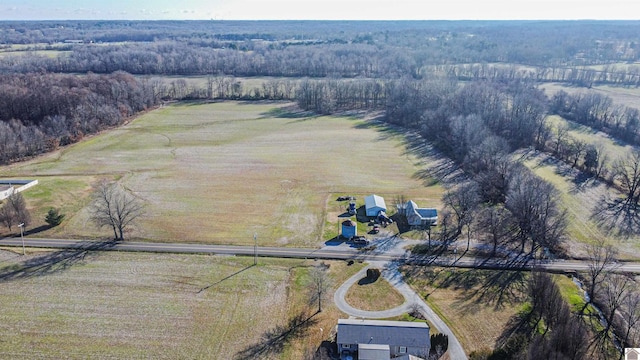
point(413, 302)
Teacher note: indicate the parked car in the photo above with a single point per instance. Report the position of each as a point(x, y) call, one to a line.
point(360, 240)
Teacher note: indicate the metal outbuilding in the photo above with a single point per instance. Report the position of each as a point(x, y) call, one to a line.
point(374, 204)
point(349, 229)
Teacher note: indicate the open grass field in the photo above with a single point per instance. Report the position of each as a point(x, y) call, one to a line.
point(220, 172)
point(613, 148)
point(158, 306)
point(620, 95)
point(476, 304)
point(200, 81)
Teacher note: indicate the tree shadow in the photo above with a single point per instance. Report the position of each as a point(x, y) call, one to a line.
point(54, 262)
point(37, 230)
point(369, 279)
point(273, 341)
point(514, 334)
point(492, 287)
point(401, 222)
point(225, 278)
point(617, 217)
point(499, 288)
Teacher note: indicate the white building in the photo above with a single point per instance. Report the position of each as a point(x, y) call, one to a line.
point(8, 187)
point(373, 204)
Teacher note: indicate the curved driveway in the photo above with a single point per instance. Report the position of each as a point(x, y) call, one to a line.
point(412, 302)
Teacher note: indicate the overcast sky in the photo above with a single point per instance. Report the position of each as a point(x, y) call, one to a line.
point(319, 9)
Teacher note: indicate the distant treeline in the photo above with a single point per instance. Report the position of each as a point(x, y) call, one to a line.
point(328, 49)
point(39, 112)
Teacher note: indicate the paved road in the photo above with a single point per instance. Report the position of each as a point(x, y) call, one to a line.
point(327, 252)
point(383, 257)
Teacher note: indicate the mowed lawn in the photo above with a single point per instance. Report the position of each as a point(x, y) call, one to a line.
point(114, 305)
point(222, 172)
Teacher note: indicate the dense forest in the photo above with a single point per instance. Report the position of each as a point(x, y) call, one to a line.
point(470, 89)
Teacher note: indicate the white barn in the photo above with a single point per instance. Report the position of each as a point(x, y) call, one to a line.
point(373, 204)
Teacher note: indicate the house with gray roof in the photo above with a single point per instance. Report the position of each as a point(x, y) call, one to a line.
point(382, 339)
point(417, 216)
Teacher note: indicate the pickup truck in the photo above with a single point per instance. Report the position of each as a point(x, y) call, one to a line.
point(360, 240)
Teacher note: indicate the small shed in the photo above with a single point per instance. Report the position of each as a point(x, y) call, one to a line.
point(349, 229)
point(373, 204)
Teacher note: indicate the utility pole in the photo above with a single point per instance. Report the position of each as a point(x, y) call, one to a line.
point(255, 248)
point(21, 226)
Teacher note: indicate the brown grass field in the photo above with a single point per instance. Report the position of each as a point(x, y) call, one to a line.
point(374, 296)
point(220, 172)
point(158, 306)
point(476, 304)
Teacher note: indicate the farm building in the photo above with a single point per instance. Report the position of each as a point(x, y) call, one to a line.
point(417, 216)
point(5, 191)
point(349, 229)
point(382, 339)
point(373, 204)
point(8, 187)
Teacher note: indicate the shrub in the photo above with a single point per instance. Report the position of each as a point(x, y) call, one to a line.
point(373, 274)
point(54, 217)
point(439, 340)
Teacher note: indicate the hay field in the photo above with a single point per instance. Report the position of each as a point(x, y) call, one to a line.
point(124, 305)
point(156, 306)
point(220, 172)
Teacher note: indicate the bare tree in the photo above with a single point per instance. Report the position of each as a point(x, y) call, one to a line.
point(532, 201)
point(7, 217)
point(631, 318)
point(497, 224)
point(562, 131)
point(115, 208)
point(627, 172)
point(15, 211)
point(613, 298)
point(319, 285)
point(463, 202)
point(601, 256)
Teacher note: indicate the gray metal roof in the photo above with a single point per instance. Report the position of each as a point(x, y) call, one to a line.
point(400, 333)
point(373, 352)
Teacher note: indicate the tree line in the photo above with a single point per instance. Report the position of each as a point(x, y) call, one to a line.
point(557, 51)
point(40, 112)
